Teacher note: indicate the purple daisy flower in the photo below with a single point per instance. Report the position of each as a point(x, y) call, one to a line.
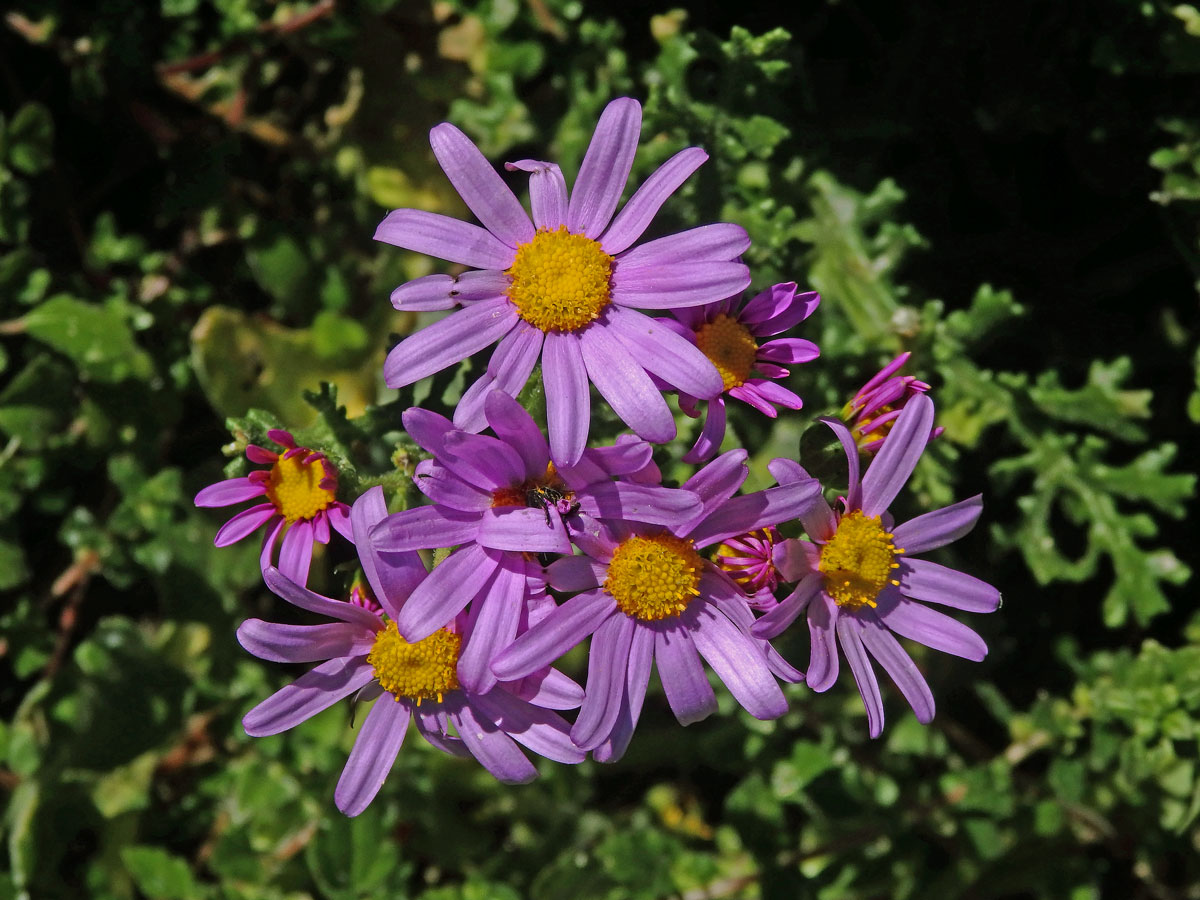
point(858, 579)
point(648, 596)
point(362, 652)
point(729, 333)
point(499, 500)
point(873, 411)
point(301, 491)
point(565, 288)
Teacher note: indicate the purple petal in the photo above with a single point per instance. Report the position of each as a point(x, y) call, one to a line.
point(508, 371)
point(547, 192)
point(664, 353)
point(494, 749)
point(339, 518)
point(524, 530)
point(711, 435)
point(637, 679)
point(739, 661)
point(230, 491)
point(822, 669)
point(374, 753)
point(428, 429)
point(513, 425)
point(424, 528)
point(893, 465)
point(482, 460)
point(818, 521)
point(674, 284)
point(899, 666)
point(270, 539)
point(639, 503)
point(719, 480)
point(776, 621)
point(849, 631)
point(752, 511)
point(295, 553)
point(315, 690)
point(568, 403)
point(933, 629)
point(449, 341)
point(392, 576)
point(940, 527)
point(445, 591)
point(776, 393)
point(302, 597)
point(444, 238)
point(605, 167)
point(749, 394)
point(244, 523)
point(480, 186)
point(623, 382)
point(635, 217)
point(497, 613)
point(435, 292)
point(554, 635)
point(854, 486)
point(779, 308)
point(679, 669)
point(545, 733)
point(445, 488)
point(576, 573)
point(924, 580)
point(719, 242)
point(548, 688)
point(608, 662)
point(789, 351)
point(303, 643)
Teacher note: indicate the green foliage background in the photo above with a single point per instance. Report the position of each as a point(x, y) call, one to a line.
point(187, 195)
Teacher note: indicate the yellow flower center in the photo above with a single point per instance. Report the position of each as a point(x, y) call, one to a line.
point(653, 577)
point(858, 561)
point(295, 487)
point(560, 281)
point(730, 347)
point(423, 671)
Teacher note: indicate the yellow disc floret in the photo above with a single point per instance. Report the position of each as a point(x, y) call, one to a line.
point(425, 670)
point(295, 487)
point(730, 347)
point(858, 561)
point(653, 577)
point(560, 281)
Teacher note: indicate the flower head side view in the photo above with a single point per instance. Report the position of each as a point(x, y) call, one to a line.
point(566, 287)
point(301, 492)
point(362, 652)
point(858, 579)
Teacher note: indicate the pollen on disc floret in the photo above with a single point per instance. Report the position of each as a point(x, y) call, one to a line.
point(560, 281)
point(731, 348)
point(425, 670)
point(653, 577)
point(299, 486)
point(858, 560)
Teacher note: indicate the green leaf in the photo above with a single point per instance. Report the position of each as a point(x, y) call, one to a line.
point(13, 570)
point(29, 139)
point(158, 874)
point(96, 338)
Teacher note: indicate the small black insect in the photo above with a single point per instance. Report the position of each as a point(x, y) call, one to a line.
point(546, 498)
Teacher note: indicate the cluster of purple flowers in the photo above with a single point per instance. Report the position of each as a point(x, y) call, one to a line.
point(544, 541)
